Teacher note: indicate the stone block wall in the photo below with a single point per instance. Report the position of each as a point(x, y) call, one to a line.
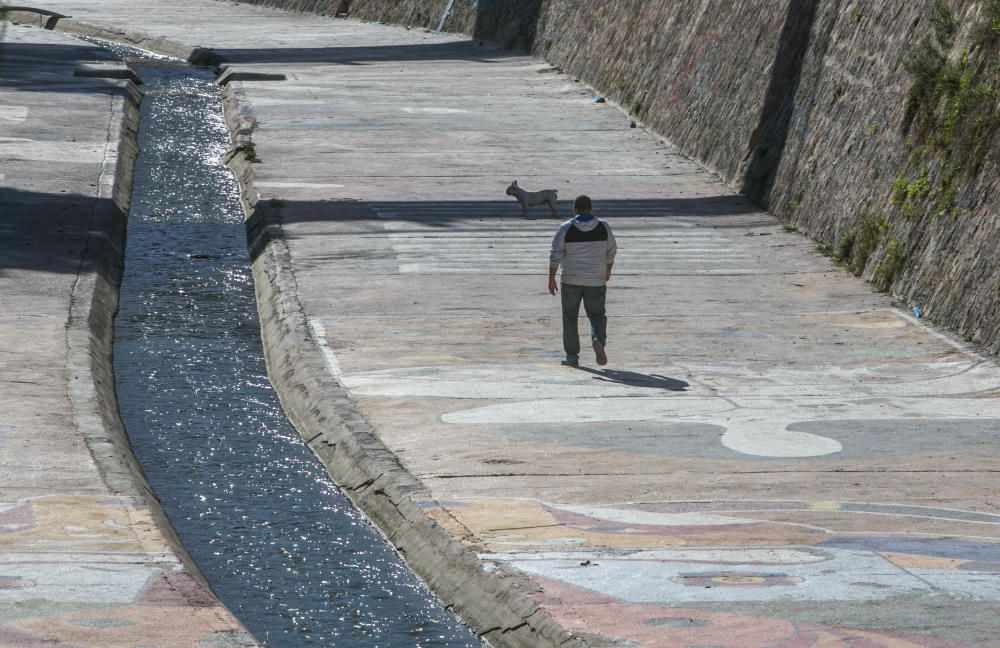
point(807, 107)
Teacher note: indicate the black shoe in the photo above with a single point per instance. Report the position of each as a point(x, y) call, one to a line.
point(602, 357)
point(570, 362)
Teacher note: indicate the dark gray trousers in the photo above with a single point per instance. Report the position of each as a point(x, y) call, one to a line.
point(593, 298)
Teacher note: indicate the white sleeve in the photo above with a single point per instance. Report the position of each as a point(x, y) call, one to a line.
point(558, 252)
point(612, 245)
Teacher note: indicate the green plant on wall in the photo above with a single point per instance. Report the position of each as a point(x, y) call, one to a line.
point(950, 123)
point(860, 242)
point(951, 114)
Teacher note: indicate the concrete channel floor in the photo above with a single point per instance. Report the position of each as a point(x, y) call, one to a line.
point(82, 561)
point(775, 456)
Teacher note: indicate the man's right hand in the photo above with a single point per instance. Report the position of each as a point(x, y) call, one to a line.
point(553, 287)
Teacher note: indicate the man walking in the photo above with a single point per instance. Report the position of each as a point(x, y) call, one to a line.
point(585, 248)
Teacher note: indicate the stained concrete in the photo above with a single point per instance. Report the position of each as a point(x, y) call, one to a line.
point(86, 556)
point(404, 302)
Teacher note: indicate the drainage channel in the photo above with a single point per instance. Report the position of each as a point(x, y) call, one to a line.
point(281, 546)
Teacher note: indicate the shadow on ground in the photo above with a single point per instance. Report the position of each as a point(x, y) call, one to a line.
point(20, 65)
point(446, 50)
point(51, 233)
point(636, 379)
point(463, 216)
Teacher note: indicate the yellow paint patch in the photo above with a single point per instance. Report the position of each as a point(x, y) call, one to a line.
point(885, 324)
point(157, 626)
point(85, 524)
point(824, 506)
point(922, 562)
point(501, 525)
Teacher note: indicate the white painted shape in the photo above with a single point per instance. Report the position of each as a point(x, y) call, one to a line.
point(433, 111)
point(772, 439)
point(319, 332)
point(847, 576)
point(977, 586)
point(78, 583)
point(757, 556)
point(677, 409)
point(62, 152)
point(13, 114)
point(509, 382)
point(297, 185)
point(646, 518)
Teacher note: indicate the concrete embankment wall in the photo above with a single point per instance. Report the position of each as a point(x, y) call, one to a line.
point(869, 125)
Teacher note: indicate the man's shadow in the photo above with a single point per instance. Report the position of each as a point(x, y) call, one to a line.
point(635, 379)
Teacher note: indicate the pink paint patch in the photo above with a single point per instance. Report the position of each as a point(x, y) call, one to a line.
point(802, 639)
point(10, 638)
point(588, 613)
point(17, 519)
point(852, 638)
point(177, 590)
point(557, 593)
point(585, 612)
point(15, 582)
point(587, 523)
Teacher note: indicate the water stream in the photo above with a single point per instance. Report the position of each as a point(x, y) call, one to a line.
point(279, 543)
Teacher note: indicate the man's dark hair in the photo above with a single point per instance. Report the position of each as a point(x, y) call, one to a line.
point(582, 204)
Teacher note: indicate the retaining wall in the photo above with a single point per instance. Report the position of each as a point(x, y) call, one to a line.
point(802, 105)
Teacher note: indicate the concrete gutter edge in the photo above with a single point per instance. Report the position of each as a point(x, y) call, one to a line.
point(339, 434)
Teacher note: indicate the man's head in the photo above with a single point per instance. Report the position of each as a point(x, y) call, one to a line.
point(582, 205)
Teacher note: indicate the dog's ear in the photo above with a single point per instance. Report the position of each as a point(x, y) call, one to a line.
point(515, 183)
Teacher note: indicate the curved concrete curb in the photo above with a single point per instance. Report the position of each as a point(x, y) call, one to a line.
point(333, 427)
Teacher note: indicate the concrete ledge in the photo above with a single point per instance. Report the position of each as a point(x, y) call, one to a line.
point(31, 17)
point(329, 421)
point(107, 70)
point(228, 75)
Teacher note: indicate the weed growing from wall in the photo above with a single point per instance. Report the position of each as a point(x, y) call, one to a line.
point(951, 114)
point(951, 121)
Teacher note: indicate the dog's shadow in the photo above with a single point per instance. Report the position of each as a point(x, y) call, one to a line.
point(636, 379)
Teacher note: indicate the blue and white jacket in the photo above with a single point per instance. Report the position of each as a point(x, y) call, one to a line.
point(583, 246)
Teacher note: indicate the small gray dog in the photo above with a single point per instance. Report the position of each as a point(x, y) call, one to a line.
point(532, 198)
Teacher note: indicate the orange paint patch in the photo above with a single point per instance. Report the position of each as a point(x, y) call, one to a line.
point(503, 524)
point(86, 524)
point(923, 562)
point(120, 626)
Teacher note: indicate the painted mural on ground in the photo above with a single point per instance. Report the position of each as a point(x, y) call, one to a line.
point(796, 572)
point(666, 573)
point(93, 571)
